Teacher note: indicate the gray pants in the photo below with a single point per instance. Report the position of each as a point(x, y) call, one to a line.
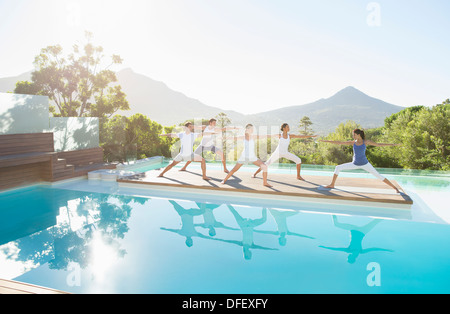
point(200, 149)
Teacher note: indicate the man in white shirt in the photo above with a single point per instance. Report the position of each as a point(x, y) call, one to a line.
point(208, 142)
point(187, 139)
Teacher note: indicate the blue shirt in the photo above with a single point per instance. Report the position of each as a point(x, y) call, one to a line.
point(359, 154)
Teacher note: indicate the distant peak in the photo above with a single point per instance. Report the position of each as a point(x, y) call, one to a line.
point(350, 90)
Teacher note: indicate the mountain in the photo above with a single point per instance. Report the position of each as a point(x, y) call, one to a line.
point(162, 104)
point(326, 114)
point(168, 107)
point(8, 84)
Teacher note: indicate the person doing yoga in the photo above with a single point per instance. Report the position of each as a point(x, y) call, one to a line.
point(248, 154)
point(359, 158)
point(187, 139)
point(208, 142)
point(282, 150)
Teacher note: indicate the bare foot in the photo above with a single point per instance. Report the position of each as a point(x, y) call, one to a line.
point(253, 175)
point(226, 171)
point(206, 178)
point(329, 186)
point(268, 185)
point(182, 169)
point(161, 175)
point(300, 178)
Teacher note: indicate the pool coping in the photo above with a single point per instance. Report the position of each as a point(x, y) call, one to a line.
point(288, 188)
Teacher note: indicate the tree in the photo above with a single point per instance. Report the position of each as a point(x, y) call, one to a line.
point(136, 137)
point(305, 126)
point(222, 122)
point(424, 135)
point(78, 84)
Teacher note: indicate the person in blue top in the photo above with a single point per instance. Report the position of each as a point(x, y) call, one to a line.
point(359, 158)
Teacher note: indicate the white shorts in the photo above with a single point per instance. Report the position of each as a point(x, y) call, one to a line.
point(368, 167)
point(190, 157)
point(247, 159)
point(277, 155)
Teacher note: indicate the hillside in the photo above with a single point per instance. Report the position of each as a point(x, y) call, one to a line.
point(168, 107)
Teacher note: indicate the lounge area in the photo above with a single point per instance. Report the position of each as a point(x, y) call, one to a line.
point(40, 150)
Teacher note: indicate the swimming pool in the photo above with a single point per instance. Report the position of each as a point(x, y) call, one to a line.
point(94, 237)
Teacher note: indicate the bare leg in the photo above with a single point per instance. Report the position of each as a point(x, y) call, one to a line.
point(236, 168)
point(275, 156)
point(224, 162)
point(200, 159)
point(263, 167)
point(331, 186)
point(256, 173)
point(299, 167)
point(203, 165)
point(168, 168)
point(185, 166)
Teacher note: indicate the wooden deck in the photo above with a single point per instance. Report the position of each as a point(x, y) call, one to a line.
point(15, 287)
point(348, 189)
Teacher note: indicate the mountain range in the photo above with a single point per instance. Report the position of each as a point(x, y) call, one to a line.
point(168, 107)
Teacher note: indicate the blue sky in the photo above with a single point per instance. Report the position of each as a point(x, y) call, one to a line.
point(250, 55)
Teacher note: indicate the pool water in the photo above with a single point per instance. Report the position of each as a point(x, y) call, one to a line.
point(108, 241)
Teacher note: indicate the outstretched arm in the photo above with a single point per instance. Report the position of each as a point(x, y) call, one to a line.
point(169, 135)
point(239, 137)
point(338, 142)
point(228, 128)
point(302, 136)
point(266, 136)
point(369, 142)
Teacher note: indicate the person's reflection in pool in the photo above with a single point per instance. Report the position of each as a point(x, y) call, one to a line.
point(357, 235)
point(247, 225)
point(187, 222)
point(280, 217)
point(209, 221)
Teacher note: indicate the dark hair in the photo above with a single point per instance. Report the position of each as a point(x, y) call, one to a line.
point(248, 126)
point(283, 126)
point(360, 132)
point(212, 120)
point(187, 124)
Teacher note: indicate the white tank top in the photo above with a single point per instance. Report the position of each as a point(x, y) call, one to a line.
point(283, 143)
point(208, 138)
point(249, 148)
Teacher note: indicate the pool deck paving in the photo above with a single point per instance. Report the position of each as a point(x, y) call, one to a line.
point(347, 188)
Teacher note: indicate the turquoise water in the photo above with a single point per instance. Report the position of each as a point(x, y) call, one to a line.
point(91, 242)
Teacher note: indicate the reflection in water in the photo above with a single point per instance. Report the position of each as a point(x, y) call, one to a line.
point(357, 235)
point(209, 220)
point(187, 222)
point(280, 217)
point(247, 225)
point(59, 227)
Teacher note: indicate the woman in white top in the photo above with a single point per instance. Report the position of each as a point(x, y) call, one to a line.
point(248, 154)
point(282, 150)
point(208, 143)
point(187, 139)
